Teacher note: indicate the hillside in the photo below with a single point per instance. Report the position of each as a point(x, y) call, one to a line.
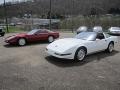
point(63, 7)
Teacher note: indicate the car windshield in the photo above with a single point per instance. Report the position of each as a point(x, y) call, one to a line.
point(32, 32)
point(49, 31)
point(90, 36)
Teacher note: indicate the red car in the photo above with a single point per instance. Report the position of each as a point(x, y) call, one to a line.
point(32, 36)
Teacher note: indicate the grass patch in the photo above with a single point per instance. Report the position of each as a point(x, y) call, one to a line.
point(13, 29)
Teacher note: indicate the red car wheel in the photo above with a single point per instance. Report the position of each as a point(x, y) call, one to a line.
point(50, 39)
point(21, 42)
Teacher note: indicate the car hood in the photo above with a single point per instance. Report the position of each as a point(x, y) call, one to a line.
point(62, 45)
point(21, 34)
point(15, 36)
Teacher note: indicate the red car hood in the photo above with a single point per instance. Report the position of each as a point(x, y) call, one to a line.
point(21, 34)
point(15, 36)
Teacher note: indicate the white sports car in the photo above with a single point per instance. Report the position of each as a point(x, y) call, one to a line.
point(81, 45)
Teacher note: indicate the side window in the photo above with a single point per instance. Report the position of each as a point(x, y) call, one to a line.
point(100, 36)
point(41, 31)
point(107, 35)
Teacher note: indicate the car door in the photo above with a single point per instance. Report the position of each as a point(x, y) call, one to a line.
point(32, 38)
point(37, 36)
point(41, 35)
point(101, 42)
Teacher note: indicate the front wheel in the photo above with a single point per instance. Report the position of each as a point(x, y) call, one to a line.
point(2, 34)
point(80, 54)
point(21, 42)
point(50, 39)
point(110, 47)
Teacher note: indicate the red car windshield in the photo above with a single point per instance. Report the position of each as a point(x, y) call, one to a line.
point(32, 32)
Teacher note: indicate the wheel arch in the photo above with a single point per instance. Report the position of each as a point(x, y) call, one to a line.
point(51, 35)
point(108, 46)
point(78, 50)
point(23, 38)
point(82, 47)
point(111, 42)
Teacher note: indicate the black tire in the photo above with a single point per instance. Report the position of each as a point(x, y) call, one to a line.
point(21, 42)
point(2, 34)
point(81, 49)
point(110, 47)
point(50, 39)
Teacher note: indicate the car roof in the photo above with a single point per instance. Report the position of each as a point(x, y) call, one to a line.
point(90, 32)
point(114, 28)
point(41, 29)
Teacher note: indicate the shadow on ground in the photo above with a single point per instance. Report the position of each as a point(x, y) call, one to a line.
point(69, 63)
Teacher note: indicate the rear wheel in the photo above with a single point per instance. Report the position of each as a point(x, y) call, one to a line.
point(50, 39)
point(80, 54)
point(110, 47)
point(21, 42)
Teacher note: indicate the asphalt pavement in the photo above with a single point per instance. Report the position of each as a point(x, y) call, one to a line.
point(30, 68)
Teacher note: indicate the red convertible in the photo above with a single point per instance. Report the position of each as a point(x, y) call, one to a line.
point(32, 36)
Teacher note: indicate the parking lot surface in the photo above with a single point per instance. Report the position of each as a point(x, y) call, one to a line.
point(30, 68)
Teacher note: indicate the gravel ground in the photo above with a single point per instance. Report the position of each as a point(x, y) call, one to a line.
point(30, 68)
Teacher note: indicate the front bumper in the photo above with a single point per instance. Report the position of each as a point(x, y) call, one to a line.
point(60, 55)
point(10, 41)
